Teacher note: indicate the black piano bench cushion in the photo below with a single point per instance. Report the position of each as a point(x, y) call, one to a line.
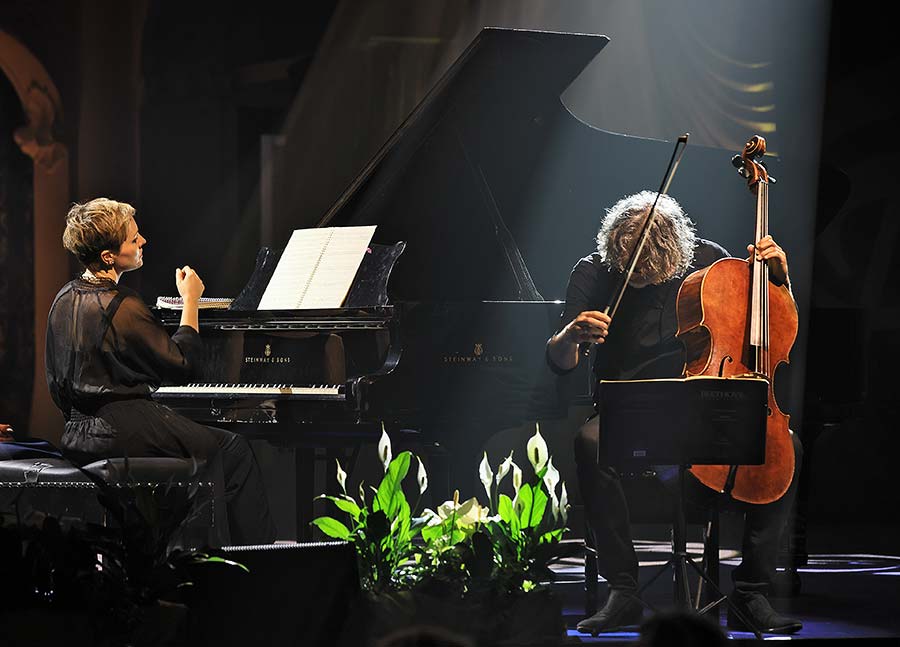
point(59, 472)
point(40, 471)
point(31, 489)
point(152, 472)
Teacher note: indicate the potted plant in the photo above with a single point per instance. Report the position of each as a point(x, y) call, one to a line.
point(463, 564)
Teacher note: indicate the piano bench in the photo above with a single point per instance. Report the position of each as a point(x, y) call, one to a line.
point(35, 488)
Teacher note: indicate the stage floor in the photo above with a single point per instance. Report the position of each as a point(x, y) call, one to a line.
point(842, 595)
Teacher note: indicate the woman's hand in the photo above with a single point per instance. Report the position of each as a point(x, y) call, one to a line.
point(768, 250)
point(190, 287)
point(189, 284)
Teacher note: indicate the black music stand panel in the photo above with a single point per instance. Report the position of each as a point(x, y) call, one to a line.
point(683, 421)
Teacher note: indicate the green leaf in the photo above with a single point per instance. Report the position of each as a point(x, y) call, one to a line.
point(523, 504)
point(539, 506)
point(430, 533)
point(219, 560)
point(401, 523)
point(551, 535)
point(508, 514)
point(343, 504)
point(389, 494)
point(457, 536)
point(505, 508)
point(332, 527)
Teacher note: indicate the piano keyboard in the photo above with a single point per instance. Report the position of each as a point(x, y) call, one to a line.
point(235, 391)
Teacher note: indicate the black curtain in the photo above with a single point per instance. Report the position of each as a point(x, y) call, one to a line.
point(16, 266)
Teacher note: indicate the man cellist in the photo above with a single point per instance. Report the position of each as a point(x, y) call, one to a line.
point(642, 345)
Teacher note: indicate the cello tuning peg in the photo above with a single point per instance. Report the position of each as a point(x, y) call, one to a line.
point(769, 178)
point(737, 161)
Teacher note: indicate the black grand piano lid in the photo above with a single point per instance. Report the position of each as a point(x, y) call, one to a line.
point(450, 180)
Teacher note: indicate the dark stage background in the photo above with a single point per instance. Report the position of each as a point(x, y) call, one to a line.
point(228, 125)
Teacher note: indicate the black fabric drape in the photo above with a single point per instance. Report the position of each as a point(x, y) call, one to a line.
point(16, 267)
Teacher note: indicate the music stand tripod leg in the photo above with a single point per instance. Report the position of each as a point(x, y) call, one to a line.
point(704, 576)
point(679, 557)
point(679, 548)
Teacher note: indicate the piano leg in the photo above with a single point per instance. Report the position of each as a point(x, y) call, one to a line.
point(305, 468)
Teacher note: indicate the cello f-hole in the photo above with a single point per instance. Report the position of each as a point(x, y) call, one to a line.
point(728, 359)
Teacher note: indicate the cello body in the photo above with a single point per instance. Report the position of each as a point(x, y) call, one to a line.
point(713, 314)
point(733, 321)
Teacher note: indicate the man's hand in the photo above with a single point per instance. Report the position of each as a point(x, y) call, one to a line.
point(189, 284)
point(768, 250)
point(589, 326)
point(6, 433)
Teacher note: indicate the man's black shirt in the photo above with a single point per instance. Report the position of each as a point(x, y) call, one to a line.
point(641, 343)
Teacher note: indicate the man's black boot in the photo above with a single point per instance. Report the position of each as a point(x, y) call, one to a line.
point(756, 608)
point(622, 609)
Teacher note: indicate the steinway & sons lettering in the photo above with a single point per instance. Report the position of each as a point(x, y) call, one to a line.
point(478, 356)
point(267, 358)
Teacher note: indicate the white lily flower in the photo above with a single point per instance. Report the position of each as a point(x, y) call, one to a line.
point(422, 478)
point(537, 450)
point(486, 475)
point(551, 478)
point(517, 478)
point(518, 505)
point(554, 506)
point(471, 512)
point(564, 504)
point(449, 508)
point(467, 513)
point(504, 468)
point(483, 515)
point(341, 476)
point(384, 448)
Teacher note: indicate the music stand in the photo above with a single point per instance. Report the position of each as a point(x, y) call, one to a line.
point(685, 421)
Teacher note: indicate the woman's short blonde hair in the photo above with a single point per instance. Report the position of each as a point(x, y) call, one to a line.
point(669, 250)
point(95, 226)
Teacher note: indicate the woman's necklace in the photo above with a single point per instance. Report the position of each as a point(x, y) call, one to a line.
point(90, 277)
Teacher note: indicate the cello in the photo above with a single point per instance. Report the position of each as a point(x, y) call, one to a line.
point(734, 322)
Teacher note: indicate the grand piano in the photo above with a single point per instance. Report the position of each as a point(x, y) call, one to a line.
point(443, 331)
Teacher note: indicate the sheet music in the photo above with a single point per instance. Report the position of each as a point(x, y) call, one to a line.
point(317, 267)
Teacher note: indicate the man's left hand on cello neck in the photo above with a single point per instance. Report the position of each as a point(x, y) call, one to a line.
point(768, 250)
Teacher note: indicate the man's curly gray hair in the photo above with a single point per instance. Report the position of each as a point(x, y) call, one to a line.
point(669, 249)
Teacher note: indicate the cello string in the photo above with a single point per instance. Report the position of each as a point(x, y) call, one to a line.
point(765, 283)
point(757, 279)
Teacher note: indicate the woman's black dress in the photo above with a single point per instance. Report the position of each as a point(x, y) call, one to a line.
point(106, 353)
